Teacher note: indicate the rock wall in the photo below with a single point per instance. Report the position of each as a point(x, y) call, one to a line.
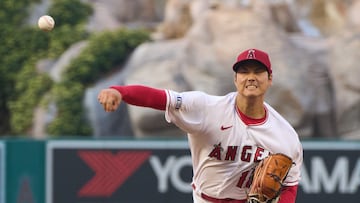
point(312, 44)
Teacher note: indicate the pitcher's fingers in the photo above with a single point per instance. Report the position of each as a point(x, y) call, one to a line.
point(111, 106)
point(104, 106)
point(116, 104)
point(102, 97)
point(107, 106)
point(115, 101)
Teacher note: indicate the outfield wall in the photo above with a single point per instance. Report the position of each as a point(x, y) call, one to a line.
point(149, 171)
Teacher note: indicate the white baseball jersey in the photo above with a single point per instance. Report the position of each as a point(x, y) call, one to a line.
point(224, 149)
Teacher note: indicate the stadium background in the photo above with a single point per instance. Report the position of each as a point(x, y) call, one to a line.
point(50, 136)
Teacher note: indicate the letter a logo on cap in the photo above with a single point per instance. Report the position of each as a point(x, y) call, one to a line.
point(251, 54)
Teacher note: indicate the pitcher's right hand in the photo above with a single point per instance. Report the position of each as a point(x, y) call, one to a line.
point(110, 99)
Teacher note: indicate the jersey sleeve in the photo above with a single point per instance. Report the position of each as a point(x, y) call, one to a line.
point(139, 95)
point(186, 110)
point(289, 144)
point(288, 194)
point(294, 175)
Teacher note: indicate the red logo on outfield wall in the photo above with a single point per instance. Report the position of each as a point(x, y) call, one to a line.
point(111, 170)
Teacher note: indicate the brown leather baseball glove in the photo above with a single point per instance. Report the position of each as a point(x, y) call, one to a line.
point(268, 178)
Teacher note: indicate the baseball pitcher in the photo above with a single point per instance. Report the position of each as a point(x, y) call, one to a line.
point(242, 149)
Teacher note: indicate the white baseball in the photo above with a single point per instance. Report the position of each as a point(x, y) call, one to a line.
point(46, 23)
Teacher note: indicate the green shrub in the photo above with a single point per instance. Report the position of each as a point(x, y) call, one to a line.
point(70, 12)
point(63, 37)
point(16, 51)
point(70, 18)
point(30, 86)
point(23, 88)
point(21, 46)
point(70, 118)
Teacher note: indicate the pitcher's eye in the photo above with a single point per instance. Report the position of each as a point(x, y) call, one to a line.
point(260, 70)
point(242, 70)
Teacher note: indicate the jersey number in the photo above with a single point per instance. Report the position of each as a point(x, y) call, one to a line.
point(245, 179)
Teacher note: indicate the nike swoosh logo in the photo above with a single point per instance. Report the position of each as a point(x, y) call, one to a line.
point(225, 127)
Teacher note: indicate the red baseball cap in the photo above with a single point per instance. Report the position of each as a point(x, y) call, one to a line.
point(253, 54)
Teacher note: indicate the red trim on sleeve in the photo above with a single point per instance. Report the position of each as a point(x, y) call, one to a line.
point(288, 194)
point(139, 95)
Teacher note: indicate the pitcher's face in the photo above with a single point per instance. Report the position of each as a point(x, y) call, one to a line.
point(252, 80)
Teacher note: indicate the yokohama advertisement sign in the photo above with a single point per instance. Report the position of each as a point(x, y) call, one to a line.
point(331, 172)
point(118, 171)
point(160, 172)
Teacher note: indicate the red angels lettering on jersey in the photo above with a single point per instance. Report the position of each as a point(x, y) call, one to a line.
point(253, 154)
point(247, 153)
